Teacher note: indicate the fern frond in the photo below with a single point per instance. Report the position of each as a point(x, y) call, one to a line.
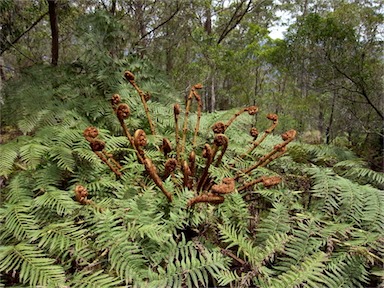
point(277, 221)
point(326, 187)
point(63, 157)
point(235, 210)
point(67, 240)
point(345, 270)
point(34, 267)
point(19, 222)
point(94, 279)
point(9, 154)
point(56, 200)
point(48, 175)
point(32, 153)
point(234, 238)
point(304, 242)
point(18, 190)
point(127, 260)
point(309, 273)
point(357, 170)
point(31, 122)
point(188, 267)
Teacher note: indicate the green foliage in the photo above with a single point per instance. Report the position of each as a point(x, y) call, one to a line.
point(321, 227)
point(34, 267)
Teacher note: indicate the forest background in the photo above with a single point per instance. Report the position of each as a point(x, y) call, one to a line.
point(325, 78)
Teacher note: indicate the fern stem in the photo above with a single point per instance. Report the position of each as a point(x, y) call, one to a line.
point(233, 118)
point(209, 161)
point(207, 198)
point(258, 163)
point(151, 169)
point(131, 140)
point(249, 184)
point(130, 78)
point(228, 253)
point(176, 113)
point(256, 143)
point(103, 158)
point(186, 114)
point(199, 108)
point(252, 110)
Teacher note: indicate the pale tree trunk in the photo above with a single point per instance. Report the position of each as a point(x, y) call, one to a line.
point(213, 94)
point(142, 31)
point(329, 128)
point(52, 6)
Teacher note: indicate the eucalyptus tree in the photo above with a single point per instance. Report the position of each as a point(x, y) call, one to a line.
point(339, 53)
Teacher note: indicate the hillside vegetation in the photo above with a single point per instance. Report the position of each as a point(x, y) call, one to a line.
point(112, 178)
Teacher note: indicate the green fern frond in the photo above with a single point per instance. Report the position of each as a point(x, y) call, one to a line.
point(356, 170)
point(105, 187)
point(34, 267)
point(225, 277)
point(127, 260)
point(304, 242)
point(235, 210)
point(245, 247)
point(19, 222)
point(326, 187)
point(277, 221)
point(9, 154)
point(63, 157)
point(87, 155)
point(33, 153)
point(48, 175)
point(345, 270)
point(56, 200)
point(94, 279)
point(31, 122)
point(309, 272)
point(18, 189)
point(188, 266)
point(66, 239)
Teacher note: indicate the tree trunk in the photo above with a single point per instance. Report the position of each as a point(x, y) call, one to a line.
point(52, 6)
point(213, 94)
point(328, 130)
point(113, 7)
point(141, 27)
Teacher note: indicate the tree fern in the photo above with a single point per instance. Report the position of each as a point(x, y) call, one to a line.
point(320, 227)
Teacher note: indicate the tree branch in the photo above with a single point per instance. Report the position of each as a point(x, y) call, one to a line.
point(159, 25)
point(239, 17)
point(22, 34)
point(361, 89)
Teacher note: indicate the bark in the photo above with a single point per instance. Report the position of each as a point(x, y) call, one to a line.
point(113, 7)
point(52, 5)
